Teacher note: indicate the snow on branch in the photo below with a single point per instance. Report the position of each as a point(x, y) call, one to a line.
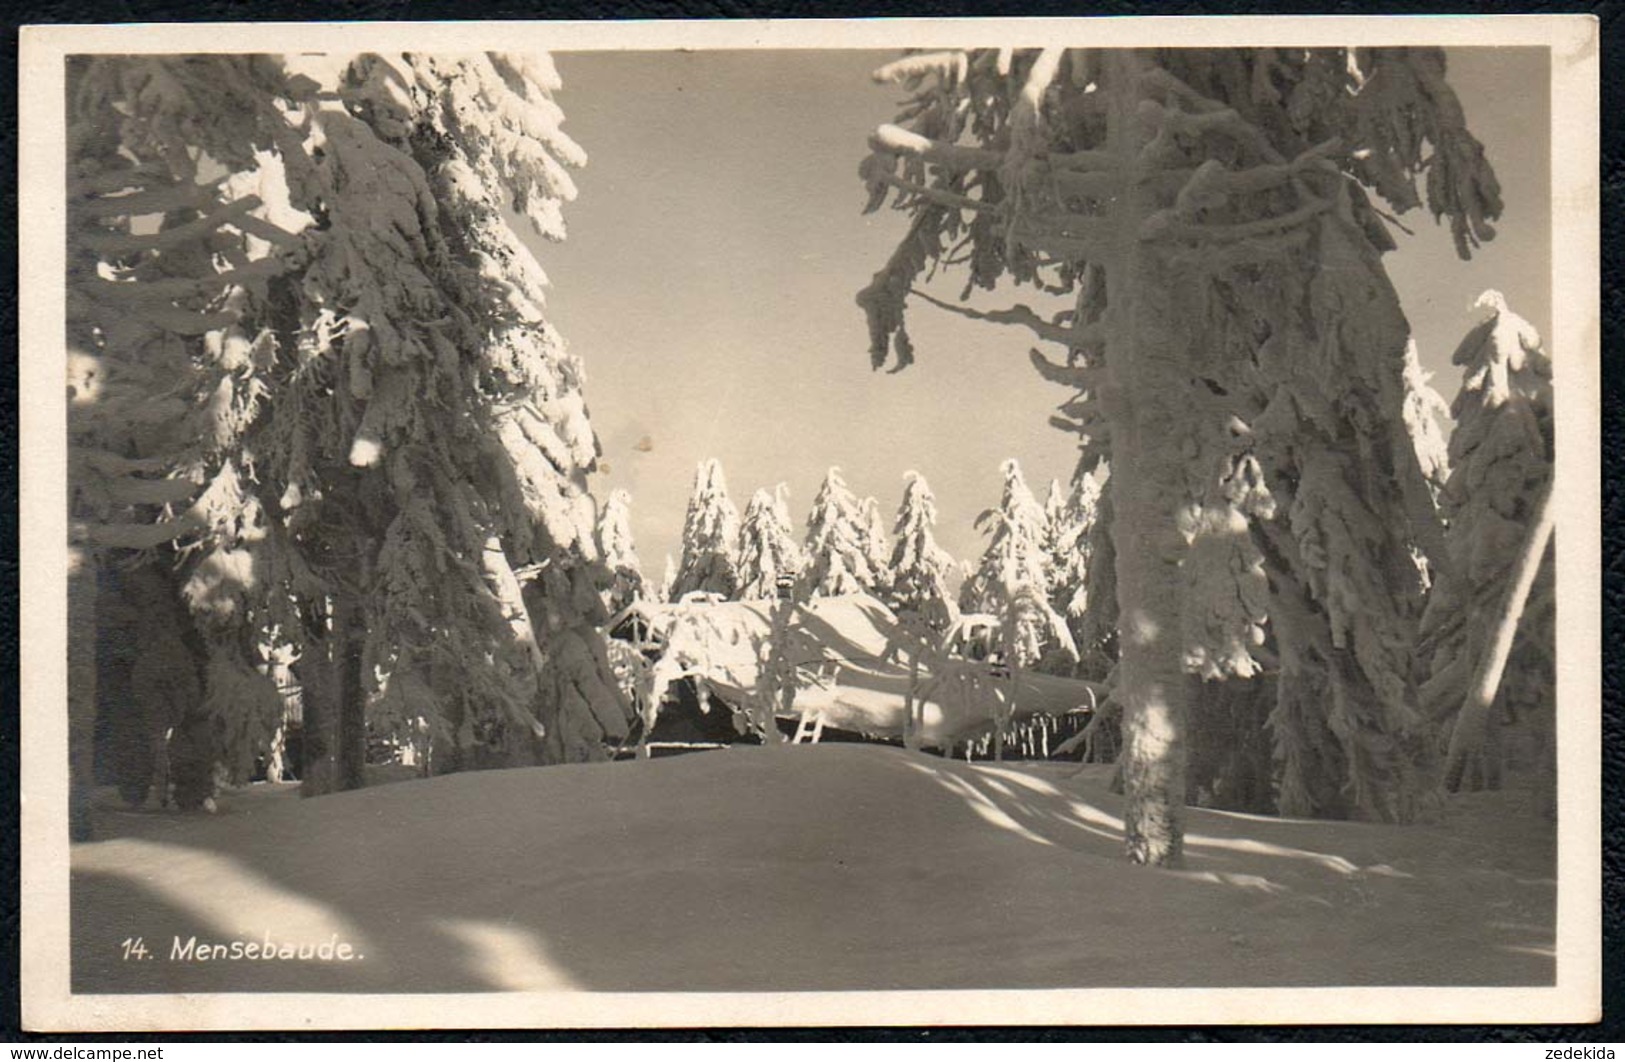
point(894, 140)
point(1167, 225)
point(1073, 337)
point(1212, 183)
point(1079, 376)
point(884, 297)
point(949, 66)
point(936, 195)
point(117, 245)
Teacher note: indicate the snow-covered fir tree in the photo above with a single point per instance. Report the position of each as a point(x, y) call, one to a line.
point(668, 579)
point(1069, 520)
point(876, 544)
point(837, 548)
point(710, 537)
point(436, 149)
point(1011, 578)
point(1054, 503)
point(1210, 212)
point(919, 593)
point(768, 550)
point(1015, 550)
point(158, 397)
point(1428, 422)
point(1095, 628)
point(619, 554)
point(380, 396)
point(1501, 468)
point(1226, 599)
point(920, 569)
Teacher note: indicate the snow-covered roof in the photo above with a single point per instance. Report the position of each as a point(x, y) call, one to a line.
point(858, 670)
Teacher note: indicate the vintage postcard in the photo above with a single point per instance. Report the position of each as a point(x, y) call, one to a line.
point(873, 522)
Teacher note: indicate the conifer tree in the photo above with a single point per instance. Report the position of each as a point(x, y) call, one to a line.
point(1013, 572)
point(485, 133)
point(710, 537)
point(1069, 522)
point(166, 359)
point(668, 579)
point(1054, 504)
point(767, 546)
point(1095, 628)
point(1210, 213)
point(920, 569)
point(1428, 422)
point(388, 430)
point(619, 553)
point(876, 544)
point(837, 553)
point(1226, 589)
point(1501, 461)
point(918, 592)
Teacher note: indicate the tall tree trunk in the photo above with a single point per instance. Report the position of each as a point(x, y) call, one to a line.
point(334, 704)
point(319, 693)
point(350, 729)
point(1468, 734)
point(911, 724)
point(1007, 715)
point(1152, 686)
point(1145, 354)
point(81, 690)
point(523, 749)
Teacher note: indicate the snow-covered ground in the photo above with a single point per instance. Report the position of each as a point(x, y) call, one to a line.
point(805, 867)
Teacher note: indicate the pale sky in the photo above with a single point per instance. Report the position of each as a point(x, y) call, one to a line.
point(718, 242)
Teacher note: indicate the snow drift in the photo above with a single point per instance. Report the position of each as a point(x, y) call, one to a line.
point(801, 868)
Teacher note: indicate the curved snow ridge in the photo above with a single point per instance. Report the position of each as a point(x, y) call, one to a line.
point(819, 867)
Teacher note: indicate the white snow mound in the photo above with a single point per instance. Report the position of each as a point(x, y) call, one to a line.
point(799, 868)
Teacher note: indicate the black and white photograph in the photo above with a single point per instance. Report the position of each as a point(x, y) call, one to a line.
point(863, 522)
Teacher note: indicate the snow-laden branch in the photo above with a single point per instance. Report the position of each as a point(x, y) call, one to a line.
point(1212, 182)
point(250, 225)
point(1080, 376)
point(148, 200)
point(1158, 79)
point(1066, 247)
point(112, 181)
point(168, 288)
point(1084, 161)
point(1024, 115)
point(1165, 225)
point(936, 195)
point(1022, 314)
point(1096, 183)
point(125, 490)
point(119, 244)
point(1207, 119)
point(950, 66)
point(895, 140)
point(110, 464)
point(169, 317)
point(136, 536)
